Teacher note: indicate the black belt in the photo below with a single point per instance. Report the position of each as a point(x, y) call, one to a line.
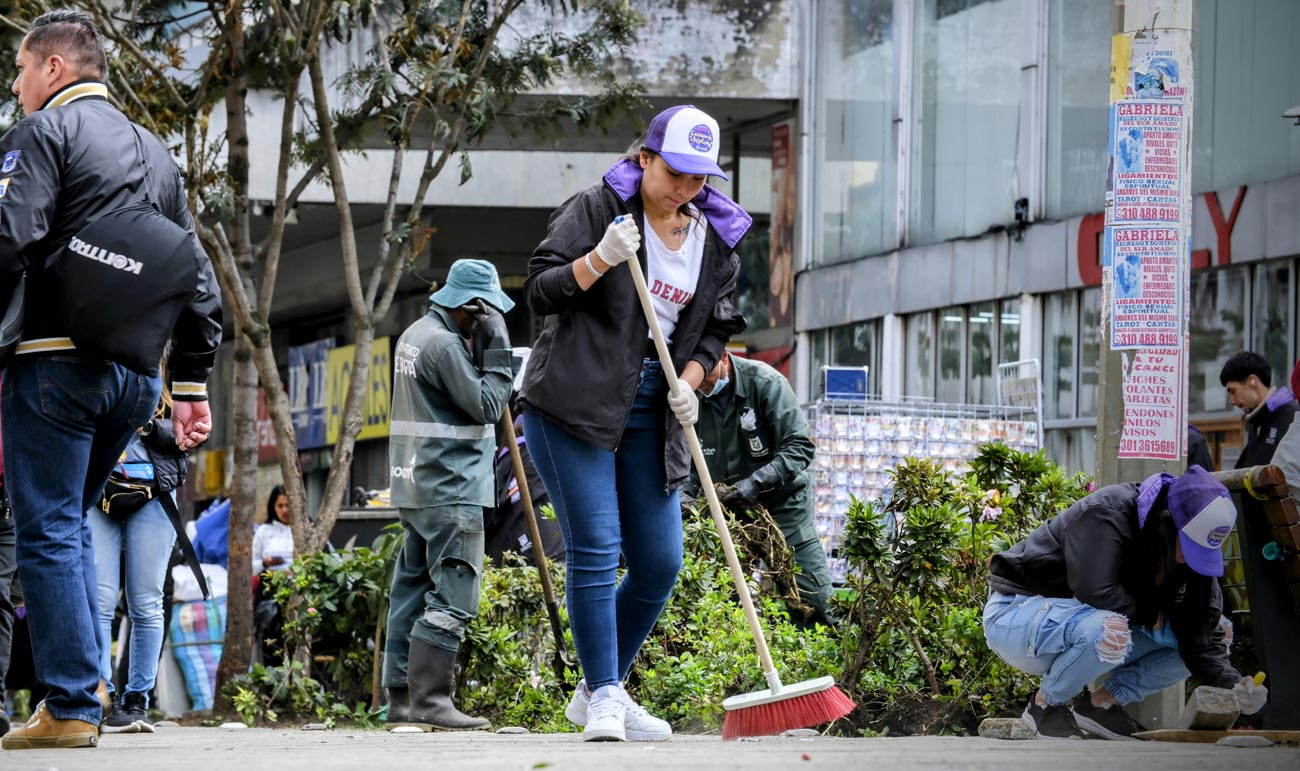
point(651, 352)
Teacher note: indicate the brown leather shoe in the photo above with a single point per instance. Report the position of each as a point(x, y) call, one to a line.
point(105, 698)
point(44, 731)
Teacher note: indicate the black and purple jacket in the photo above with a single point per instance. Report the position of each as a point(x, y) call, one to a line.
point(584, 369)
point(1266, 426)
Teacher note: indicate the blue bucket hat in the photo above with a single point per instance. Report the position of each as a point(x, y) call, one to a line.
point(470, 280)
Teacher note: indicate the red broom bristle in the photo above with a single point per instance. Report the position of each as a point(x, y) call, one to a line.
point(799, 712)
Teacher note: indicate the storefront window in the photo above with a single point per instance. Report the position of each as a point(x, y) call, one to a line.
point(1271, 318)
point(967, 92)
point(857, 345)
point(1077, 106)
point(1089, 352)
point(1218, 330)
point(1060, 331)
point(1010, 332)
point(952, 379)
point(819, 360)
point(919, 356)
point(982, 328)
point(857, 159)
point(1236, 44)
point(753, 289)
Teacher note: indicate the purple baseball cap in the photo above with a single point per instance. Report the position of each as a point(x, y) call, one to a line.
point(688, 140)
point(1204, 513)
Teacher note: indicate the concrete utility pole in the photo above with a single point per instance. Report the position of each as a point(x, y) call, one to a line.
point(1142, 420)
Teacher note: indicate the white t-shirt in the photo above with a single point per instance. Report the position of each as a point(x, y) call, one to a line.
point(671, 276)
point(273, 539)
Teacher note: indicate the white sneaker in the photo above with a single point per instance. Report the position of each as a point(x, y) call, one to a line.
point(639, 725)
point(605, 716)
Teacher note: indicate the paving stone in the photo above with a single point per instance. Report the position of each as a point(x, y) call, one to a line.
point(234, 726)
point(1210, 709)
point(513, 729)
point(803, 733)
point(314, 727)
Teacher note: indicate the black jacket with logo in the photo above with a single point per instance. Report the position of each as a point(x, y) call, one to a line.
point(584, 369)
point(1092, 552)
point(1266, 426)
point(66, 165)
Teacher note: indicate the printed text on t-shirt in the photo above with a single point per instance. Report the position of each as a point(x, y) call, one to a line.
point(671, 293)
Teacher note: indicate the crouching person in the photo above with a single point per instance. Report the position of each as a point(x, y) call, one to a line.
point(1119, 590)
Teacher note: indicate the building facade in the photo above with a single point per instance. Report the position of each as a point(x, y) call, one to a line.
point(951, 217)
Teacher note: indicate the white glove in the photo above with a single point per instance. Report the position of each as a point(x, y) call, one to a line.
point(622, 239)
point(686, 406)
point(1250, 696)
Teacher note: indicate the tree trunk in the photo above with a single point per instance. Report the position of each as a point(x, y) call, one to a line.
point(237, 652)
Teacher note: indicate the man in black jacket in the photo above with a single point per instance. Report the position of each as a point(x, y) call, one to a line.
point(67, 418)
point(1120, 587)
point(1269, 411)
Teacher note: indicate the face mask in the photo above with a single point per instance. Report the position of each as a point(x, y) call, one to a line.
point(718, 386)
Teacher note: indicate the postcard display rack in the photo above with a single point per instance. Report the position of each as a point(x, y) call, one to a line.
point(860, 442)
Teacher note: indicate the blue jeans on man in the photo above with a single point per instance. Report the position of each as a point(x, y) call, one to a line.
point(1069, 644)
point(66, 422)
point(607, 503)
point(148, 536)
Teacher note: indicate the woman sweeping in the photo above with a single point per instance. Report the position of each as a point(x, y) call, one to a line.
point(604, 433)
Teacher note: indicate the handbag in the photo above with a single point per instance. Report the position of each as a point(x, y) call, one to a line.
point(130, 486)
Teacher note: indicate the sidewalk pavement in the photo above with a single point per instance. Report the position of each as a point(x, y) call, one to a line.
point(199, 749)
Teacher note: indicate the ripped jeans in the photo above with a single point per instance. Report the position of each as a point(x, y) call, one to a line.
point(435, 590)
point(1072, 644)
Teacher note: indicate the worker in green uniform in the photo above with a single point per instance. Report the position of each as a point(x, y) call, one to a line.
point(756, 439)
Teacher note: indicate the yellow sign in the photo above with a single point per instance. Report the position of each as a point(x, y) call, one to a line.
point(1121, 51)
point(378, 396)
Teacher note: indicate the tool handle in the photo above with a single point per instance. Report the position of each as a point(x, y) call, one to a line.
point(706, 481)
point(539, 551)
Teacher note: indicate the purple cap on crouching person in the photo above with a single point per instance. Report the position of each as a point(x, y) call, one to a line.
point(688, 140)
point(1204, 513)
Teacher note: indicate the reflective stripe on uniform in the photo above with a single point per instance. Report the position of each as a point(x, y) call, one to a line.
point(424, 430)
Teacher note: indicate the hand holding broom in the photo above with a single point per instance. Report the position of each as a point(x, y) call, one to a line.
point(780, 707)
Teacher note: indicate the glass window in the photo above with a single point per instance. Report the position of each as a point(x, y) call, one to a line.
point(952, 381)
point(1089, 352)
point(1010, 332)
point(1218, 330)
point(1060, 330)
point(753, 288)
point(982, 327)
point(857, 169)
point(1077, 106)
point(819, 360)
point(919, 356)
point(857, 345)
point(967, 89)
point(1271, 318)
point(1244, 56)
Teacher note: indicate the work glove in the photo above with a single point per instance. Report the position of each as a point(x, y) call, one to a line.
point(685, 405)
point(1250, 695)
point(622, 239)
point(490, 322)
point(745, 494)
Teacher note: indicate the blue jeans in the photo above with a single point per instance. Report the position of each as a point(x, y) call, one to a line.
point(607, 502)
point(66, 423)
point(1072, 644)
point(148, 537)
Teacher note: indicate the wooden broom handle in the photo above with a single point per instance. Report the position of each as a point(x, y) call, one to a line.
point(706, 481)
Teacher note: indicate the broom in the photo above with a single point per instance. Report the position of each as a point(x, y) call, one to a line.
point(781, 707)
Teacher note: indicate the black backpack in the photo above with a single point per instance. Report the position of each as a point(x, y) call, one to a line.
point(123, 280)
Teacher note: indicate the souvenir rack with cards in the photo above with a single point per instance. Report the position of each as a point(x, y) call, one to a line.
point(859, 443)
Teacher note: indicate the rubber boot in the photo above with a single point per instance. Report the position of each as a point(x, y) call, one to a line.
point(430, 671)
point(399, 710)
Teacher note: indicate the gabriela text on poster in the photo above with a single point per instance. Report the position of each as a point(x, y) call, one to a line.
point(1144, 287)
point(1152, 392)
point(1148, 173)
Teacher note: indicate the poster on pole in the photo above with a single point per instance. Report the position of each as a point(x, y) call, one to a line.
point(1153, 405)
point(1147, 153)
point(1145, 287)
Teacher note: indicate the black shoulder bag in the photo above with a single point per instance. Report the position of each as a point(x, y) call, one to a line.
point(123, 280)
